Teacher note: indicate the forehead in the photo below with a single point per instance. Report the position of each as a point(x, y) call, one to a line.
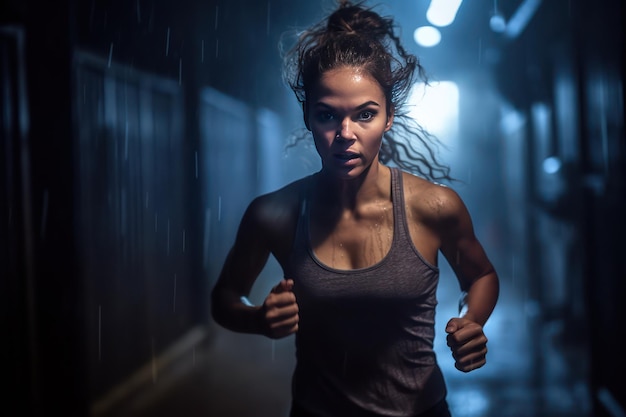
point(347, 83)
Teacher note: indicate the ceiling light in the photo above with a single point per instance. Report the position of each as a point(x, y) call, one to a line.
point(442, 12)
point(427, 36)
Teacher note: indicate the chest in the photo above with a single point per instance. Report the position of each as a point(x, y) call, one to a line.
point(351, 242)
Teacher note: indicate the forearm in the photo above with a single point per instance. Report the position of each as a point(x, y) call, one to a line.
point(235, 313)
point(481, 298)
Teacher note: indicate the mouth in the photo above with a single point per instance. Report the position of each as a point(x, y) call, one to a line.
point(346, 156)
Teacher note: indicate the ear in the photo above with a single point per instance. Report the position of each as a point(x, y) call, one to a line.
point(305, 115)
point(389, 119)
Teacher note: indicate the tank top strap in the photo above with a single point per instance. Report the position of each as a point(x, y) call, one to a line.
point(397, 198)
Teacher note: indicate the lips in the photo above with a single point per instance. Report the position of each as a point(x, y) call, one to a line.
point(346, 156)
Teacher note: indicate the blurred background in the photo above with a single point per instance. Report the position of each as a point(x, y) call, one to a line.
point(134, 133)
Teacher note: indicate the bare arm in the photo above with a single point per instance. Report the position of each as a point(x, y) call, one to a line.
point(277, 317)
point(244, 262)
point(468, 260)
point(477, 278)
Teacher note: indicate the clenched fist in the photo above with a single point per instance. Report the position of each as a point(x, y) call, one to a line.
point(468, 344)
point(279, 313)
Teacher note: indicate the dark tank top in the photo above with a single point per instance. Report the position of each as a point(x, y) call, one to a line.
point(365, 341)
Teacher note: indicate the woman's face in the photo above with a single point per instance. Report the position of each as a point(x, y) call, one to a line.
point(347, 113)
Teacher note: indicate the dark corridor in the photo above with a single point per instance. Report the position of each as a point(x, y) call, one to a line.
point(134, 133)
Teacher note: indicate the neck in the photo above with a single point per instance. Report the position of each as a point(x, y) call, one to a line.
point(351, 193)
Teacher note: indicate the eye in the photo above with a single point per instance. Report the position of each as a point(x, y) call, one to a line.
point(325, 116)
point(366, 115)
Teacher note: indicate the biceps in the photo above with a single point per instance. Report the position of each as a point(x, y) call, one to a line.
point(242, 266)
point(468, 260)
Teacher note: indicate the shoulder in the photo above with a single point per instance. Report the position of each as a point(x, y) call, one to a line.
point(432, 202)
point(275, 213)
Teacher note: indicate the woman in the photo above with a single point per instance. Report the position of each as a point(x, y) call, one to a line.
point(358, 241)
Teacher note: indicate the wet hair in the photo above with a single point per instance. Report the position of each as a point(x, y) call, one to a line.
point(356, 36)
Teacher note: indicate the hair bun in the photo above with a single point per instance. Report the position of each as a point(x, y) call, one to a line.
point(356, 20)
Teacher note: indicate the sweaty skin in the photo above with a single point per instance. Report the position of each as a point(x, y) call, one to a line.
point(351, 221)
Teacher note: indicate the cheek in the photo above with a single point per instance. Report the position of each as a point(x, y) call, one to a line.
point(321, 143)
point(322, 138)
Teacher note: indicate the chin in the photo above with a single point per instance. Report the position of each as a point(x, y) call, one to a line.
point(344, 173)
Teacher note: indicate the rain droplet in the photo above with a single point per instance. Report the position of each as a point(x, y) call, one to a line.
point(167, 43)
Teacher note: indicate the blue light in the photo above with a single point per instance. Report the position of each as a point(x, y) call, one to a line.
point(442, 12)
point(551, 165)
point(497, 23)
point(427, 36)
point(436, 108)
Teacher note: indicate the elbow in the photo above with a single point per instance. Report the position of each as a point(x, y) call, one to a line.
point(217, 306)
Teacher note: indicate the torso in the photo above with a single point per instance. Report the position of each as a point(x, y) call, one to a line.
point(353, 239)
point(366, 302)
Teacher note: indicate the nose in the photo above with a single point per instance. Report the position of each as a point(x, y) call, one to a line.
point(344, 130)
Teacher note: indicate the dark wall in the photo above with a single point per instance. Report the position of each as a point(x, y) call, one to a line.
point(91, 290)
point(571, 59)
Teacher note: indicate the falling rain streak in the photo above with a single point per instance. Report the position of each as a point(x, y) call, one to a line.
point(180, 71)
point(154, 364)
point(268, 18)
point(99, 333)
point(110, 55)
point(174, 297)
point(126, 141)
point(207, 237)
point(167, 43)
point(196, 160)
point(513, 269)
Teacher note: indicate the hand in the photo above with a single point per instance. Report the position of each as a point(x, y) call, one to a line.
point(468, 344)
point(280, 311)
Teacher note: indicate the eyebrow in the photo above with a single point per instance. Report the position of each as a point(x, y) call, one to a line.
point(359, 107)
